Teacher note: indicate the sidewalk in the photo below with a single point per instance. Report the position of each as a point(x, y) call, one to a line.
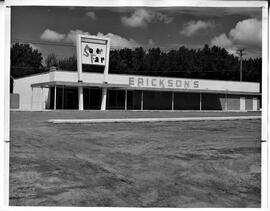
point(123, 120)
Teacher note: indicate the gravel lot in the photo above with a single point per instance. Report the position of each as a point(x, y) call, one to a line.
point(165, 164)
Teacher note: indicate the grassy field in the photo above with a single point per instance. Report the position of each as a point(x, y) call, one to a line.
point(183, 164)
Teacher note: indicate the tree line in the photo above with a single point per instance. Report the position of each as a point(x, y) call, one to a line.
point(205, 63)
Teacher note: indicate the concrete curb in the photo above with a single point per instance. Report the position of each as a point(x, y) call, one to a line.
point(125, 120)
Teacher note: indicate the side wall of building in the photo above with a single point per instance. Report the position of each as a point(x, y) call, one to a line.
point(31, 98)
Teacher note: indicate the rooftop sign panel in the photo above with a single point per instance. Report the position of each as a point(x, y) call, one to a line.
point(92, 50)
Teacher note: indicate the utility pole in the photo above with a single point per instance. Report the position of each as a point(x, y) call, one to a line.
point(241, 52)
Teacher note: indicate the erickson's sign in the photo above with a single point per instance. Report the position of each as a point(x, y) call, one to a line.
point(152, 82)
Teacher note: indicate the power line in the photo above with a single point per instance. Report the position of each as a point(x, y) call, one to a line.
point(66, 44)
point(175, 71)
point(42, 43)
point(62, 44)
point(20, 67)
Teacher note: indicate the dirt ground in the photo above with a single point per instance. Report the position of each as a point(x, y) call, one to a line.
point(169, 164)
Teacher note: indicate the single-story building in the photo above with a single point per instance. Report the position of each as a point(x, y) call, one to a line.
point(58, 89)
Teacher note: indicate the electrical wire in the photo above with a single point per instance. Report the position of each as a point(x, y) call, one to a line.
point(66, 44)
point(175, 71)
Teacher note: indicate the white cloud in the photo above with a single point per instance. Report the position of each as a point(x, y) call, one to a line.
point(222, 41)
point(163, 18)
point(142, 17)
point(71, 36)
point(192, 27)
point(50, 35)
point(119, 42)
point(116, 40)
point(151, 42)
point(34, 47)
point(92, 15)
point(246, 33)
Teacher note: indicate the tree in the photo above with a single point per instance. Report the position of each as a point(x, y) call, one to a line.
point(114, 62)
point(125, 65)
point(24, 61)
point(138, 59)
point(152, 61)
point(205, 63)
point(69, 64)
point(51, 60)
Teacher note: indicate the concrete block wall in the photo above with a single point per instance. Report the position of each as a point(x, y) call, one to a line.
point(233, 102)
point(249, 103)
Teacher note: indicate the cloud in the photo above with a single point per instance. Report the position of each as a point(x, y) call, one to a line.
point(163, 18)
point(116, 40)
point(34, 47)
point(248, 31)
point(193, 27)
point(71, 36)
point(119, 42)
point(142, 17)
point(50, 35)
point(92, 15)
point(222, 41)
point(151, 42)
point(246, 34)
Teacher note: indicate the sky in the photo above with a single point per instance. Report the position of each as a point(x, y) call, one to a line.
point(53, 29)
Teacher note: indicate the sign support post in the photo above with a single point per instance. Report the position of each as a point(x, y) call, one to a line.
point(94, 51)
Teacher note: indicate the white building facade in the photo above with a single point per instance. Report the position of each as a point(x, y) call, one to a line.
point(59, 89)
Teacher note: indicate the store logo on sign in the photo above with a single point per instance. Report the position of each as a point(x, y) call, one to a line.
point(96, 54)
point(163, 83)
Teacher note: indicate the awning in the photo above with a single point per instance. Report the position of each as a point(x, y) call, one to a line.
point(127, 87)
point(193, 91)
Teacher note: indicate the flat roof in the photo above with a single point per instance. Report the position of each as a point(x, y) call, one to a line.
point(135, 75)
point(75, 84)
